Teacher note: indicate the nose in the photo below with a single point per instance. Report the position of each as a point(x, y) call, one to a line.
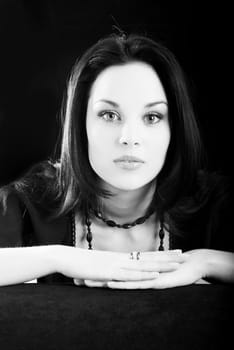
point(129, 136)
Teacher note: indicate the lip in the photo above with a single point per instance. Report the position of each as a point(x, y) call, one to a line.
point(129, 159)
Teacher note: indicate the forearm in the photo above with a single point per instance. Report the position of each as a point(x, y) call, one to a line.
point(18, 265)
point(219, 265)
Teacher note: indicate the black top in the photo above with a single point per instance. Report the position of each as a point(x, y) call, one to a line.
point(22, 223)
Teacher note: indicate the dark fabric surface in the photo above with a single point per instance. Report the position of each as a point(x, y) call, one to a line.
point(68, 317)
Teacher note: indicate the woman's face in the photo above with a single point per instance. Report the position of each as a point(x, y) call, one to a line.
point(127, 117)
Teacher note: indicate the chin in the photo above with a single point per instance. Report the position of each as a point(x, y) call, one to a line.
point(131, 186)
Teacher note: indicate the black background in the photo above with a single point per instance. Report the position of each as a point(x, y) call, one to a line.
point(40, 40)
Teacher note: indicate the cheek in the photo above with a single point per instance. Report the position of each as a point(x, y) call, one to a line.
point(159, 142)
point(100, 148)
point(166, 140)
point(92, 135)
point(97, 139)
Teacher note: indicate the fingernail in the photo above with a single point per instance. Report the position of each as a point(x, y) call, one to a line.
point(177, 251)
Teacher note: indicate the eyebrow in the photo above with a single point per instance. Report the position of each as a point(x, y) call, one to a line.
point(114, 104)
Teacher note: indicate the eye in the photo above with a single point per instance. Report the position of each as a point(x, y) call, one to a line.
point(109, 116)
point(152, 118)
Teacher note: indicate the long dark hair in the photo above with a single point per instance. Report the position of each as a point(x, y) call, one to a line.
point(78, 183)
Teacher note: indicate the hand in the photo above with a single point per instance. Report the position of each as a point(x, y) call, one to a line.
point(191, 270)
point(101, 267)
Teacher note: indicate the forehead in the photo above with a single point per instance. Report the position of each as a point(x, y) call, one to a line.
point(131, 81)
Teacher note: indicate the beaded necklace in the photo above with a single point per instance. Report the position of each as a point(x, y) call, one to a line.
point(89, 235)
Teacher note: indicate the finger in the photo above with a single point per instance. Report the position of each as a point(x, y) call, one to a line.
point(152, 266)
point(132, 275)
point(78, 282)
point(182, 257)
point(131, 285)
point(202, 281)
point(91, 283)
point(174, 279)
point(162, 253)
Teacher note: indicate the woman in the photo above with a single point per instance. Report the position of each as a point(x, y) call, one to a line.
point(129, 193)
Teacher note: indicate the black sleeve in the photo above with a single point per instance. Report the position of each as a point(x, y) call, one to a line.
point(221, 221)
point(210, 225)
point(11, 219)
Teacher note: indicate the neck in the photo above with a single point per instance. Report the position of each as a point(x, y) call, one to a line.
point(126, 206)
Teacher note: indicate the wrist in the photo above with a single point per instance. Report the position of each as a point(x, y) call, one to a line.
point(56, 253)
point(218, 265)
point(208, 258)
point(206, 261)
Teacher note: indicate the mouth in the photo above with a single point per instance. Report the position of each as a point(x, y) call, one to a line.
point(128, 159)
point(129, 162)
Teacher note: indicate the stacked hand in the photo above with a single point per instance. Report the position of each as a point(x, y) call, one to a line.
point(190, 269)
point(161, 269)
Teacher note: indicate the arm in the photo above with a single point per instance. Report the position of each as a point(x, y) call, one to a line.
point(18, 265)
point(217, 264)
